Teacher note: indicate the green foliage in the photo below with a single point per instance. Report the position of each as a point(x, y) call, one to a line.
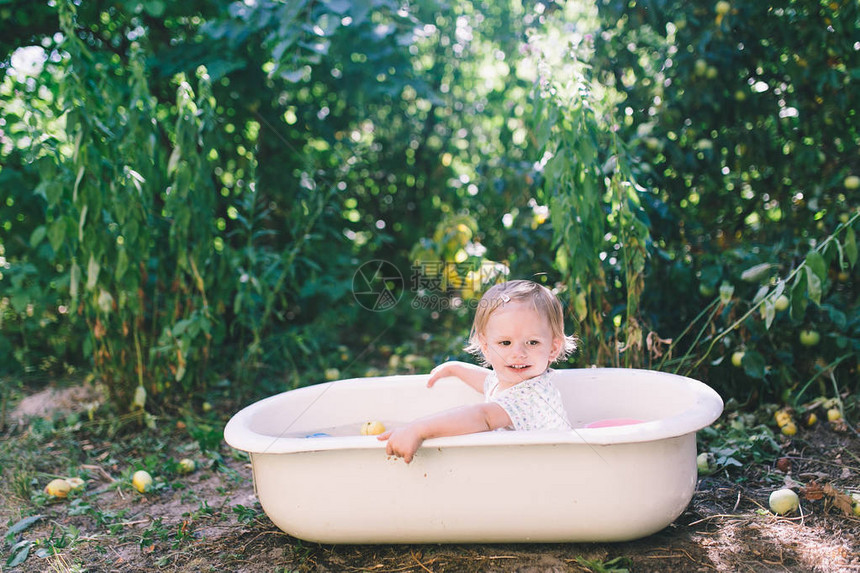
point(616, 565)
point(600, 230)
point(192, 186)
point(733, 116)
point(135, 222)
point(740, 442)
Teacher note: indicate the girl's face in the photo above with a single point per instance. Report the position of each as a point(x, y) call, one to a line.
point(518, 343)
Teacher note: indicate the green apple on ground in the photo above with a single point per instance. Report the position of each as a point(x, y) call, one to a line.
point(142, 481)
point(703, 463)
point(186, 466)
point(783, 501)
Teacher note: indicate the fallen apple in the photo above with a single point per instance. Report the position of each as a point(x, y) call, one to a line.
point(789, 429)
point(703, 463)
point(834, 415)
point(783, 501)
point(186, 466)
point(76, 483)
point(142, 481)
point(58, 488)
point(782, 417)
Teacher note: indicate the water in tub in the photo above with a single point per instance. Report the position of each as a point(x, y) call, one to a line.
point(344, 430)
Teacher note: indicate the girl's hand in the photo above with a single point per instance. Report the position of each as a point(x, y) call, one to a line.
point(442, 371)
point(402, 442)
point(469, 373)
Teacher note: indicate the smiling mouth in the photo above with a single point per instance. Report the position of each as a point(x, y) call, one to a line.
point(519, 366)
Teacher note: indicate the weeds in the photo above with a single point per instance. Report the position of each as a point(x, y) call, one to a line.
point(617, 565)
point(741, 440)
point(245, 514)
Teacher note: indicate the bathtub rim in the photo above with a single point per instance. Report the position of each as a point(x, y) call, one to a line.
point(708, 407)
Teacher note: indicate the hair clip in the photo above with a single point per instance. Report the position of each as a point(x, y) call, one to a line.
point(505, 298)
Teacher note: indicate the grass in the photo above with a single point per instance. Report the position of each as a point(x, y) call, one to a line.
point(105, 451)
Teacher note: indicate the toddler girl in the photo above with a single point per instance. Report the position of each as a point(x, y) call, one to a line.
point(518, 330)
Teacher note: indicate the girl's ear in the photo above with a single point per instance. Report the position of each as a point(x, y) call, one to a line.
point(482, 342)
point(556, 348)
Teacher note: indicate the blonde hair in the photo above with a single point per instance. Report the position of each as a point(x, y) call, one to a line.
point(545, 303)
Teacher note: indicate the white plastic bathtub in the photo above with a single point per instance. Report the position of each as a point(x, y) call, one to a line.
point(582, 485)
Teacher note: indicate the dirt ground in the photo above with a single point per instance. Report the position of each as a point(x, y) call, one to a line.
point(209, 520)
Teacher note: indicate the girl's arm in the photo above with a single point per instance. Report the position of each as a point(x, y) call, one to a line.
point(472, 375)
point(404, 442)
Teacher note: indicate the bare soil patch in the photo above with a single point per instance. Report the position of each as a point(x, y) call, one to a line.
point(209, 520)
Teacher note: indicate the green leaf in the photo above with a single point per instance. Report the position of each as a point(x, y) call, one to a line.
point(57, 233)
point(754, 364)
point(756, 273)
point(131, 231)
point(839, 318)
point(154, 8)
point(813, 286)
point(769, 312)
point(798, 300)
point(850, 245)
point(816, 262)
point(19, 553)
point(760, 294)
point(93, 269)
point(711, 275)
point(780, 288)
point(22, 525)
point(121, 264)
point(53, 192)
point(180, 327)
point(38, 235)
point(19, 301)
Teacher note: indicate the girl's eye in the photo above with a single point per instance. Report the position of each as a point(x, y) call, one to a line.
point(505, 342)
point(533, 342)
